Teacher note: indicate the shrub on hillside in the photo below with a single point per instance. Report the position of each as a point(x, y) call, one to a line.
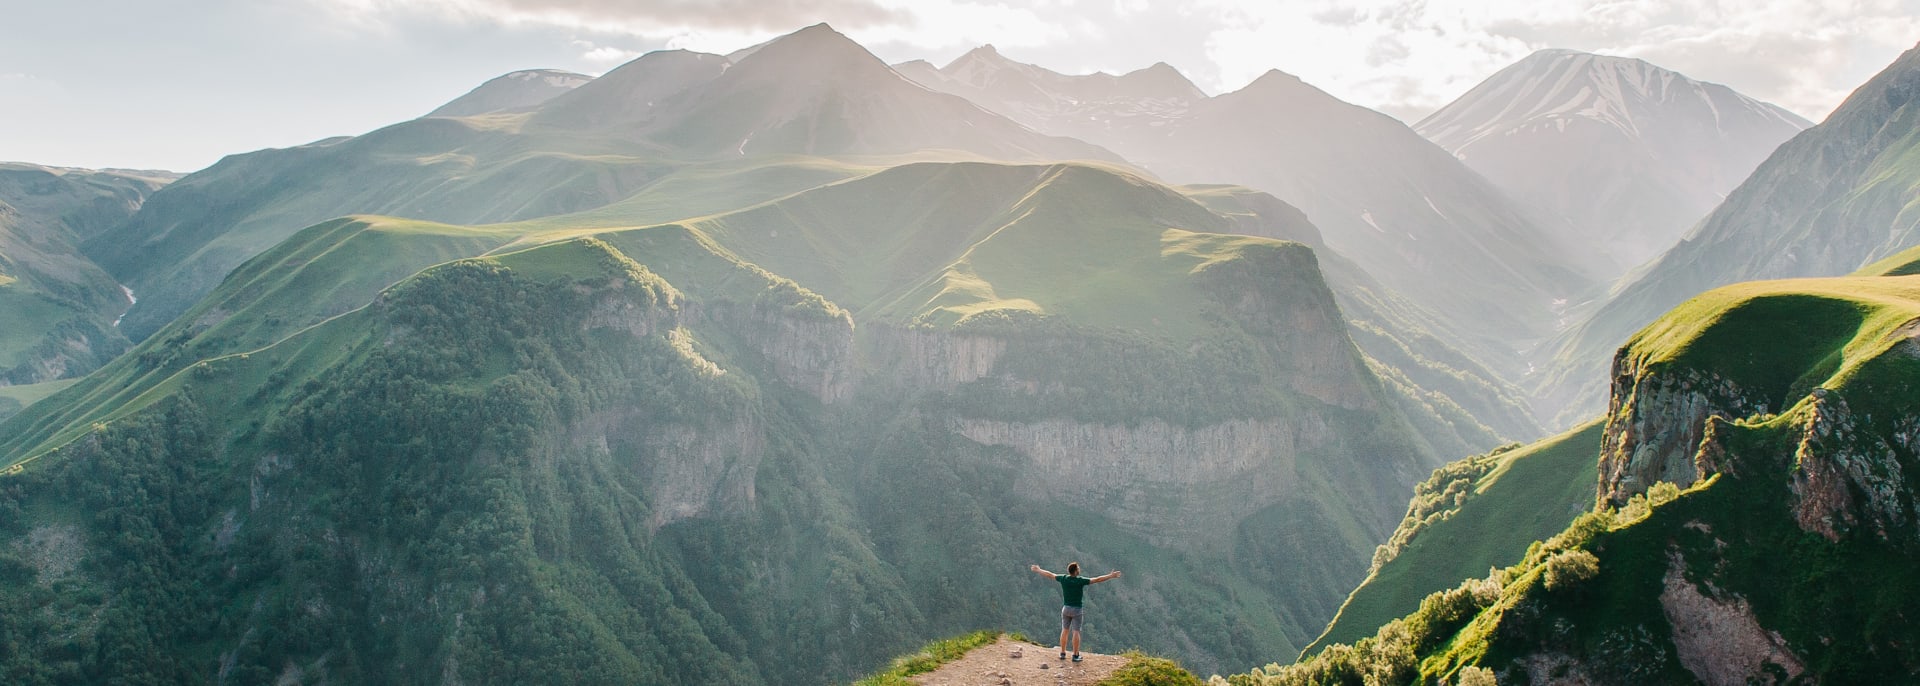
point(1568, 568)
point(1142, 670)
point(1476, 676)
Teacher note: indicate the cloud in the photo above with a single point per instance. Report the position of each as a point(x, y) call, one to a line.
point(604, 55)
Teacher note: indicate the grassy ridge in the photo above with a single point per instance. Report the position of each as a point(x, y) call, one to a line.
point(1786, 338)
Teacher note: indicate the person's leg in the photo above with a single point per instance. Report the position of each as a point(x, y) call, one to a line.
point(1066, 624)
point(1079, 620)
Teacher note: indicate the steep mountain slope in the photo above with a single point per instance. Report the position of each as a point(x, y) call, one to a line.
point(1472, 515)
point(1836, 197)
point(1759, 519)
point(629, 94)
point(1400, 207)
point(57, 308)
point(812, 92)
point(1624, 153)
point(707, 471)
point(512, 91)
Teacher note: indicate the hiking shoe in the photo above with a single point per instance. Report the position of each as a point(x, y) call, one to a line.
point(1063, 655)
point(1076, 657)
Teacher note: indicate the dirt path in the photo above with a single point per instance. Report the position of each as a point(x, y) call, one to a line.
point(989, 665)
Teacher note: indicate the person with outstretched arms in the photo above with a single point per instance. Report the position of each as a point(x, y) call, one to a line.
point(1072, 597)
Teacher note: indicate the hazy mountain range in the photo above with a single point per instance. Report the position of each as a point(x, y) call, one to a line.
point(1421, 229)
point(764, 367)
point(1831, 200)
point(1623, 153)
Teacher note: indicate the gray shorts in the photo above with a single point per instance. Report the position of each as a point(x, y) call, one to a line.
point(1070, 617)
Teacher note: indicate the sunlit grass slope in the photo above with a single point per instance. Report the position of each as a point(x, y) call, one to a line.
point(1473, 515)
point(1785, 338)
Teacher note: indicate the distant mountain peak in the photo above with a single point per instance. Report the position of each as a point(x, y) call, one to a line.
point(1560, 84)
point(1163, 78)
point(981, 64)
point(817, 35)
point(814, 47)
point(1274, 78)
point(630, 92)
point(517, 90)
point(1276, 84)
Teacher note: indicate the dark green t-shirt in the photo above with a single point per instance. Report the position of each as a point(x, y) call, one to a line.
point(1071, 588)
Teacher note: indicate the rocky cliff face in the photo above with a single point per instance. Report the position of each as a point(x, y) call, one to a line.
point(1657, 423)
point(811, 351)
point(1169, 484)
point(1845, 477)
point(1716, 636)
point(931, 359)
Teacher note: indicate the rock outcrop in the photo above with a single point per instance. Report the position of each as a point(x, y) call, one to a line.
point(1845, 476)
point(1718, 639)
point(1656, 424)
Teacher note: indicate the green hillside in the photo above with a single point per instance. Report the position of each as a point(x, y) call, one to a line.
point(1471, 516)
point(838, 241)
point(14, 398)
point(1782, 555)
point(59, 308)
point(689, 444)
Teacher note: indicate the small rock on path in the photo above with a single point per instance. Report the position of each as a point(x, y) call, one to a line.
point(988, 665)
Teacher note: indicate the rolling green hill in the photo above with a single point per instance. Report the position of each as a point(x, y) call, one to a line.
point(744, 447)
point(1757, 520)
point(837, 240)
point(57, 308)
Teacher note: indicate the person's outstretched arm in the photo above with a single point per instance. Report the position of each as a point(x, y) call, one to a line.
point(1037, 570)
point(1109, 576)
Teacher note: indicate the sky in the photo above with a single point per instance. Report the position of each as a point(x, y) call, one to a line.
point(177, 84)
